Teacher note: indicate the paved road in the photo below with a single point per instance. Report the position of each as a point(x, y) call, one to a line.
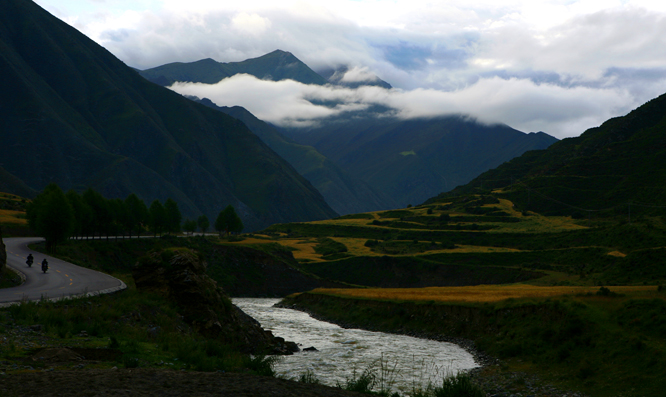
point(61, 280)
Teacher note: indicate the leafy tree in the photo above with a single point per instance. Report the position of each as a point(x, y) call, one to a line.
point(190, 226)
point(82, 213)
point(235, 224)
point(172, 217)
point(228, 221)
point(203, 223)
point(157, 214)
point(119, 216)
point(100, 210)
point(137, 213)
point(51, 216)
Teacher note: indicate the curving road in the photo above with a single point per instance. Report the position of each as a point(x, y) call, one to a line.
point(63, 279)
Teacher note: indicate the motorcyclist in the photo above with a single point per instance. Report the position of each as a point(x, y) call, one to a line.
point(45, 265)
point(30, 260)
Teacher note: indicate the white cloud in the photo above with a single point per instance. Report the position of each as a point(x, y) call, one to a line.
point(522, 104)
point(251, 24)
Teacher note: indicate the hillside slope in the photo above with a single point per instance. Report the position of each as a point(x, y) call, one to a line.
point(344, 193)
point(609, 169)
point(74, 114)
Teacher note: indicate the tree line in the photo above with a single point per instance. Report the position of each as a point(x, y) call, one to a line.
point(57, 216)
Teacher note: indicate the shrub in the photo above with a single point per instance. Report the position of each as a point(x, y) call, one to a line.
point(459, 385)
point(364, 383)
point(309, 377)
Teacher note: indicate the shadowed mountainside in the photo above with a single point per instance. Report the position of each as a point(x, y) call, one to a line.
point(413, 160)
point(344, 193)
point(74, 114)
point(605, 169)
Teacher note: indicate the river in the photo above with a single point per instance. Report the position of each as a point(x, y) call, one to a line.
point(408, 362)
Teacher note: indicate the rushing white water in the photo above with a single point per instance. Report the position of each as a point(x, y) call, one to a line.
point(409, 362)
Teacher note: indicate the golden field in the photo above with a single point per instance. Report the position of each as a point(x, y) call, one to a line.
point(17, 217)
point(479, 293)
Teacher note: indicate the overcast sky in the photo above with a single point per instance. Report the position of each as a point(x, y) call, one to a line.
point(558, 66)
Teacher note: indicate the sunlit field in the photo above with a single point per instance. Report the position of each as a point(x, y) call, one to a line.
point(16, 217)
point(534, 223)
point(480, 293)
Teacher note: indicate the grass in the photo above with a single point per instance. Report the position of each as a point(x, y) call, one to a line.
point(13, 217)
point(479, 293)
point(120, 321)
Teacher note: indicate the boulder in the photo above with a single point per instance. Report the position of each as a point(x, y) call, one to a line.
point(179, 274)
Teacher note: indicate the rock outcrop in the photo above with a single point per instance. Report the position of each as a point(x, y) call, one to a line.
point(179, 274)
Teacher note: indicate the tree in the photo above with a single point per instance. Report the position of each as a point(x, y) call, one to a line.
point(156, 215)
point(137, 213)
point(235, 224)
point(203, 223)
point(228, 221)
point(82, 213)
point(172, 217)
point(190, 226)
point(100, 210)
point(51, 216)
point(119, 216)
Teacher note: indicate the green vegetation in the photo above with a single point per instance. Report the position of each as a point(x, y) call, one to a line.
point(328, 247)
point(58, 216)
point(131, 329)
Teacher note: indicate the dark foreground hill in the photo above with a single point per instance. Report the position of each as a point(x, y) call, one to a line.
point(74, 114)
point(614, 169)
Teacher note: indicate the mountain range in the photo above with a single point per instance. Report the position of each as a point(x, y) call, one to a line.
point(366, 160)
point(74, 114)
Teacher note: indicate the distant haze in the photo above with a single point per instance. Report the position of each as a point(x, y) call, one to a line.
point(556, 66)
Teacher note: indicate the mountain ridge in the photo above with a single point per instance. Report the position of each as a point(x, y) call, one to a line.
point(274, 66)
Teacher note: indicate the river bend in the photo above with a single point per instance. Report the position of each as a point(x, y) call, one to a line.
point(411, 362)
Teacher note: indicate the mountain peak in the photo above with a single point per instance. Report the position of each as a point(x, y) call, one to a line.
point(277, 65)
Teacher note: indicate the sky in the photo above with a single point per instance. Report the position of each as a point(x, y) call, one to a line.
point(558, 66)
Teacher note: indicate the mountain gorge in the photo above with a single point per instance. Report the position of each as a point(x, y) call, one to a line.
point(74, 114)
